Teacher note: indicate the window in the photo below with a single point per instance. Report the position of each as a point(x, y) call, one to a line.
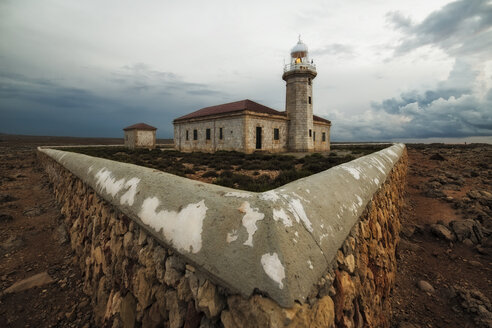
point(195, 134)
point(310, 133)
point(309, 100)
point(220, 134)
point(323, 136)
point(258, 137)
point(276, 134)
point(207, 133)
point(187, 137)
point(314, 136)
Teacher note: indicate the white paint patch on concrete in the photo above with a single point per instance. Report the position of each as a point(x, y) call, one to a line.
point(106, 181)
point(237, 194)
point(353, 208)
point(379, 165)
point(304, 199)
point(307, 190)
point(310, 264)
point(294, 240)
point(89, 170)
point(129, 196)
point(181, 229)
point(296, 233)
point(251, 216)
point(297, 209)
point(392, 153)
point(232, 236)
point(376, 181)
point(352, 170)
point(280, 215)
point(359, 200)
point(273, 268)
point(323, 236)
point(387, 157)
point(270, 195)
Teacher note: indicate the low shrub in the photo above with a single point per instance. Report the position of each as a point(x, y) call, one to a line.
point(210, 174)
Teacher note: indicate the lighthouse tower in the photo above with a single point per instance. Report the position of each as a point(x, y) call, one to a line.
point(299, 75)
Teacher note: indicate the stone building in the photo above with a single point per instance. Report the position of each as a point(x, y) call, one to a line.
point(140, 135)
point(248, 126)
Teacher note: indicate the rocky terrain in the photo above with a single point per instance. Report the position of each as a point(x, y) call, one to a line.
point(444, 257)
point(445, 253)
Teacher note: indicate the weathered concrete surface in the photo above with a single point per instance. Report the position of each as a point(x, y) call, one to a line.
point(280, 241)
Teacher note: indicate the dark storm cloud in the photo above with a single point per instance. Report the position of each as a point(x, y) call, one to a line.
point(41, 106)
point(452, 109)
point(421, 99)
point(45, 93)
point(445, 116)
point(461, 27)
point(35, 106)
point(140, 77)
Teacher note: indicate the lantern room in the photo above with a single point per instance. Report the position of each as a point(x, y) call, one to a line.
point(299, 52)
point(299, 58)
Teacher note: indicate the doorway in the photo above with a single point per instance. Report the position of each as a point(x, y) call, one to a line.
point(258, 137)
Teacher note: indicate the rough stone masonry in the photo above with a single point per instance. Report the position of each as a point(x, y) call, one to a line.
point(139, 276)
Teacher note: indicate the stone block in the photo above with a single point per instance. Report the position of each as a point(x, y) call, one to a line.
point(208, 300)
point(128, 311)
point(142, 287)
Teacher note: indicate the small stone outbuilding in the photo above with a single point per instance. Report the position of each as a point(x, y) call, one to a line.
point(140, 135)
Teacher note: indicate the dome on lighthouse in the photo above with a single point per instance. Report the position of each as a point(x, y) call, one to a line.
point(299, 58)
point(299, 50)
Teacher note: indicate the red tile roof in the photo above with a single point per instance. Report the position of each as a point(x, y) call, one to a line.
point(238, 106)
point(320, 119)
point(139, 126)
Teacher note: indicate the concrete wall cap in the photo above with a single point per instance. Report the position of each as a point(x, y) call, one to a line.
point(279, 242)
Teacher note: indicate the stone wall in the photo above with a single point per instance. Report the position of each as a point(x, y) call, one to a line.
point(130, 137)
point(267, 125)
point(135, 279)
point(232, 134)
point(140, 139)
point(238, 131)
point(145, 138)
point(318, 130)
point(355, 290)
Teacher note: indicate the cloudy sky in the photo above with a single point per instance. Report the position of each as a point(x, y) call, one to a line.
point(386, 69)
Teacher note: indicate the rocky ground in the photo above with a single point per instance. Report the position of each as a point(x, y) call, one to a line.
point(30, 243)
point(445, 254)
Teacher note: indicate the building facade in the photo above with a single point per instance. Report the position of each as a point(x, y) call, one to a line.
point(248, 126)
point(140, 135)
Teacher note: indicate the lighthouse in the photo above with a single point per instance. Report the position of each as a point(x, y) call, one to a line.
point(299, 75)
